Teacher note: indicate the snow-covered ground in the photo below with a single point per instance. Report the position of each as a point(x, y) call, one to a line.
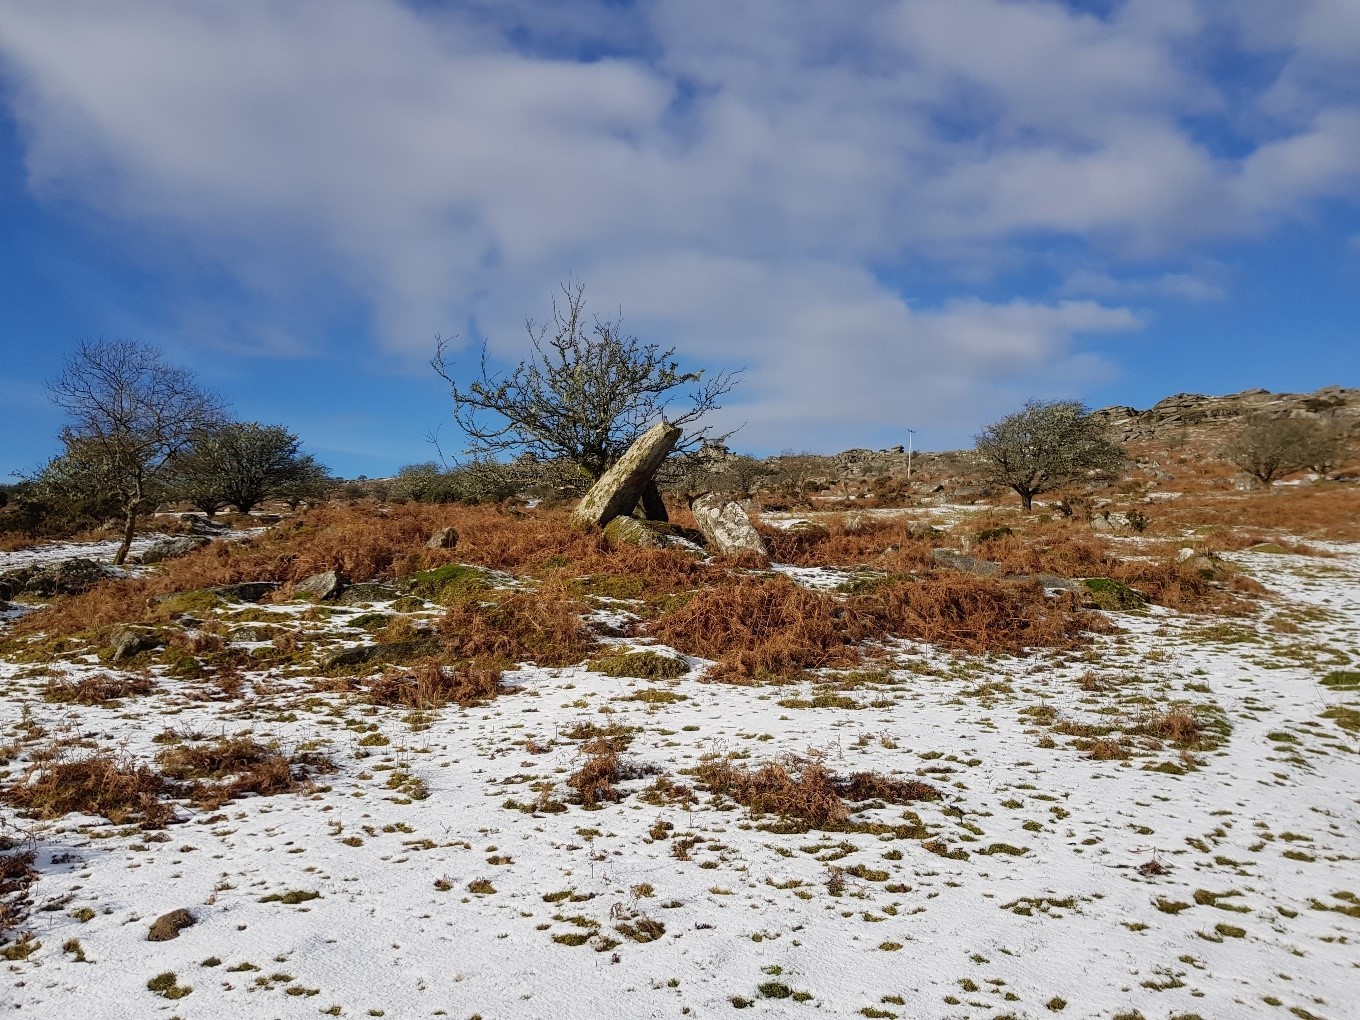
point(1046, 883)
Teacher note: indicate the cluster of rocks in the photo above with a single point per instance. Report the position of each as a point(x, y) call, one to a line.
point(613, 503)
point(45, 580)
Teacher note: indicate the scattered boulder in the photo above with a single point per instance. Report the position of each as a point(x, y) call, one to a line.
point(130, 641)
point(726, 527)
point(1112, 596)
point(968, 564)
point(444, 538)
point(619, 489)
point(319, 587)
point(362, 594)
point(244, 591)
point(394, 652)
point(168, 926)
point(170, 548)
point(622, 531)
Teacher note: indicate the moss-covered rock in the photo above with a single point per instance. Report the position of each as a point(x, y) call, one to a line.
point(630, 531)
point(349, 660)
point(1112, 596)
point(447, 584)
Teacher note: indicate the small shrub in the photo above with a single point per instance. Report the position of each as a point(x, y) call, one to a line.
point(429, 684)
point(228, 768)
point(113, 787)
point(97, 689)
point(644, 665)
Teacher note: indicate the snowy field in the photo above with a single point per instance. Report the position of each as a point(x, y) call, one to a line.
point(418, 879)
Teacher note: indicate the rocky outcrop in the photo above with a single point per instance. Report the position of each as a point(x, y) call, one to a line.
point(726, 526)
point(619, 489)
point(1194, 413)
point(69, 577)
point(130, 641)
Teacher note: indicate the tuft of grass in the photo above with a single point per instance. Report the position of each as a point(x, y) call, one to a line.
point(430, 684)
point(97, 689)
point(112, 786)
point(167, 986)
point(803, 791)
point(292, 897)
point(227, 768)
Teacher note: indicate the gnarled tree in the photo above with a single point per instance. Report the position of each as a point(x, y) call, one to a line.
point(586, 391)
point(131, 413)
point(1044, 446)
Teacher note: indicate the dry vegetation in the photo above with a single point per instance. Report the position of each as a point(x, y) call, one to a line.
point(804, 791)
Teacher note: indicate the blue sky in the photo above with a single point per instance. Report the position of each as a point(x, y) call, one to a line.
point(894, 214)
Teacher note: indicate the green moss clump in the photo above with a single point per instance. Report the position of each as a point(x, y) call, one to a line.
point(1347, 718)
point(992, 534)
point(1342, 680)
point(641, 665)
point(1112, 596)
point(454, 582)
point(371, 621)
point(192, 603)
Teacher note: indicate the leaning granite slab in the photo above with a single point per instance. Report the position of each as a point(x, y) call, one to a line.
point(619, 489)
point(726, 526)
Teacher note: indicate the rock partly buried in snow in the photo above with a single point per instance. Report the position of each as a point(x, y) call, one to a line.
point(171, 548)
point(320, 587)
point(130, 641)
point(619, 489)
point(168, 926)
point(444, 538)
point(726, 526)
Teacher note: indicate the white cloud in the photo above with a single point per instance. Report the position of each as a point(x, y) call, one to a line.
point(730, 171)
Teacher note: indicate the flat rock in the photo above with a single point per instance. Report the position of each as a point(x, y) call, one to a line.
point(68, 577)
point(362, 594)
point(397, 652)
point(726, 526)
point(168, 926)
point(625, 531)
point(171, 548)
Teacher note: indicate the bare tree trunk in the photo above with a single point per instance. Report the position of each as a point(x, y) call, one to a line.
point(1028, 499)
point(129, 528)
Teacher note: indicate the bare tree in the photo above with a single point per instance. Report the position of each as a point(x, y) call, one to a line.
point(1268, 448)
point(1048, 444)
point(130, 413)
point(585, 392)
